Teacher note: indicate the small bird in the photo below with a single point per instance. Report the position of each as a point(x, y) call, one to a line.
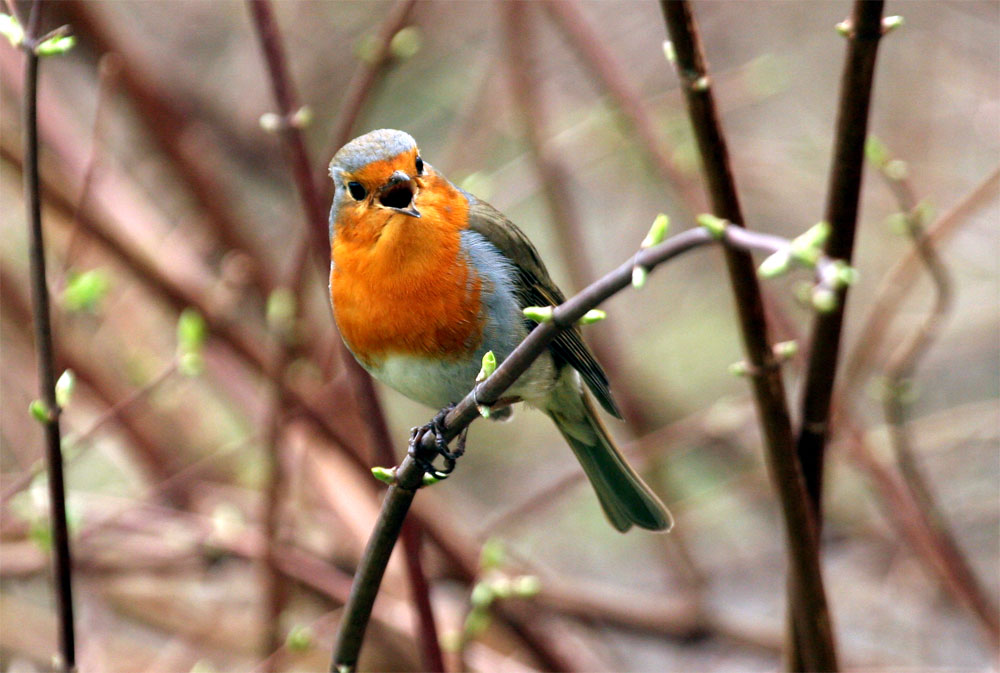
point(425, 279)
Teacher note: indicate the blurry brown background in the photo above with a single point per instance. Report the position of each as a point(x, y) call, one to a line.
point(161, 183)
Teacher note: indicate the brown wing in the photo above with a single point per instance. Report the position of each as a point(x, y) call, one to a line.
point(535, 288)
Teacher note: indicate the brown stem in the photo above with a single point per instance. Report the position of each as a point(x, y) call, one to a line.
point(843, 195)
point(61, 559)
point(809, 606)
point(898, 374)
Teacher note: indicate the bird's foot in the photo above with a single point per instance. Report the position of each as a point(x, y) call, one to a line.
point(440, 446)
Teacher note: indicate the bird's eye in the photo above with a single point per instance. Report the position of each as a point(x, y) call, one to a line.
point(357, 190)
point(420, 166)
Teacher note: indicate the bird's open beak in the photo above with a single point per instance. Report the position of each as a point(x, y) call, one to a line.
point(399, 194)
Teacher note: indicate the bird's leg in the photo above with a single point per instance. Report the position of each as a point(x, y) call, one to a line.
point(440, 445)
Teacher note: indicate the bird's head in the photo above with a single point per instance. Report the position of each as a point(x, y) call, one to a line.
point(377, 177)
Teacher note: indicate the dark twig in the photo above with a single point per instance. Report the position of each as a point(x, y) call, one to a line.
point(61, 560)
point(810, 612)
point(863, 34)
point(865, 30)
point(409, 475)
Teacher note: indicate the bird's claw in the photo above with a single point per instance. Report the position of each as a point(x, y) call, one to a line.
point(440, 446)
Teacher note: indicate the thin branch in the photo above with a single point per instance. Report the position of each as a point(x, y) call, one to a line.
point(809, 606)
point(897, 281)
point(111, 413)
point(61, 560)
point(897, 376)
point(409, 476)
point(865, 31)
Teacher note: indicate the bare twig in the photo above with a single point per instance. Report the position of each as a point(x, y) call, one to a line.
point(896, 281)
point(897, 376)
point(61, 560)
point(809, 609)
point(409, 476)
point(864, 33)
point(111, 413)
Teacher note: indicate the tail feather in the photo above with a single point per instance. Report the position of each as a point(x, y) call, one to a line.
point(625, 498)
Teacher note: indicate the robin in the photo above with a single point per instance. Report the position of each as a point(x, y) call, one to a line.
point(426, 278)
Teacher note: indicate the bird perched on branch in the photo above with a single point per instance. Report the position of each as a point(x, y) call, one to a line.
point(426, 278)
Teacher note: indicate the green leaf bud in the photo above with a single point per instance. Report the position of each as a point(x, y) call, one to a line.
point(406, 43)
point(740, 369)
point(58, 44)
point(300, 639)
point(669, 52)
point(65, 386)
point(538, 313)
point(824, 299)
point(775, 265)
point(482, 595)
point(657, 232)
point(891, 23)
point(384, 474)
point(492, 555)
point(896, 170)
point(11, 28)
point(876, 151)
point(785, 350)
point(639, 276)
point(191, 331)
point(488, 367)
point(526, 586)
point(592, 316)
point(86, 290)
point(39, 411)
point(716, 226)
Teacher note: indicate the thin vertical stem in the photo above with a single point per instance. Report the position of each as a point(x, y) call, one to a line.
point(810, 613)
point(843, 194)
point(61, 560)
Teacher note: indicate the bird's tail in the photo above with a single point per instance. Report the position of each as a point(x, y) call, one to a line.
point(626, 499)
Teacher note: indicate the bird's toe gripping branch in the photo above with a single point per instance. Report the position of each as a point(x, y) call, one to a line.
point(425, 461)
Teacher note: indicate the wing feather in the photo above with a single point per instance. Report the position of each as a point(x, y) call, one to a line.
point(536, 288)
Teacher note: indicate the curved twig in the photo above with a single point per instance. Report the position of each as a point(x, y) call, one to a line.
point(409, 475)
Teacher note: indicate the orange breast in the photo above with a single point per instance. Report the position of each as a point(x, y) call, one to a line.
point(401, 284)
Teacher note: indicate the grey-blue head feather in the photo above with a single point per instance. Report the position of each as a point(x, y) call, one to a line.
point(373, 146)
